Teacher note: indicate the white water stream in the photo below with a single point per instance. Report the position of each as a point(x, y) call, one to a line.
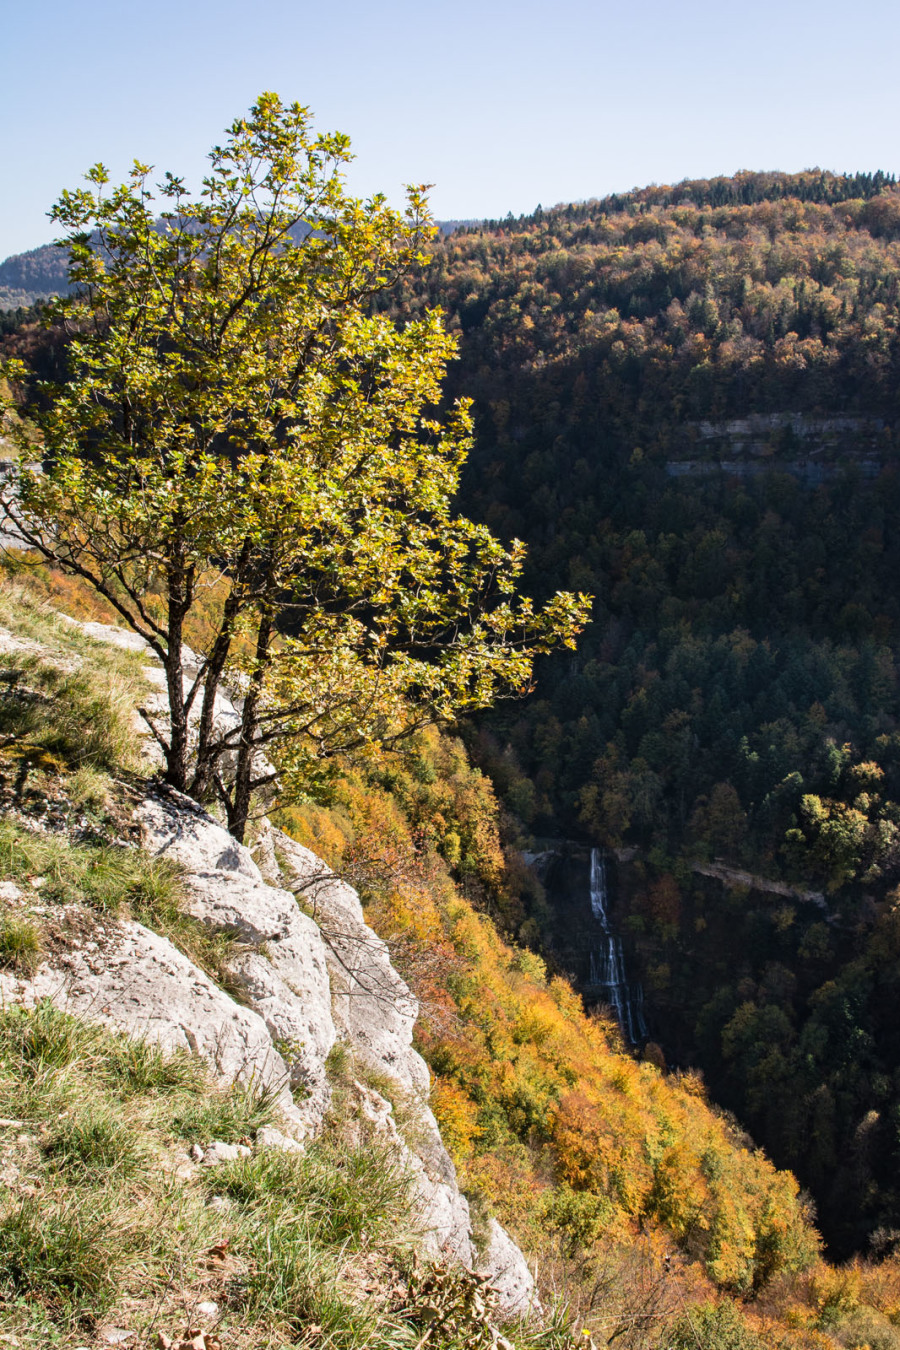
point(608, 976)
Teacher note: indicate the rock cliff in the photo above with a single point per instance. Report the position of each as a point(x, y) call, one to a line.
point(304, 973)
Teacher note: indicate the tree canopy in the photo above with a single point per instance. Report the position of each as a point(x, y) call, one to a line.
point(686, 403)
point(241, 432)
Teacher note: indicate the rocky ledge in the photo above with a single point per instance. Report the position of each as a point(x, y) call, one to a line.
point(307, 973)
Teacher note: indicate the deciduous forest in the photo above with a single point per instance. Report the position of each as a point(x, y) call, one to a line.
point(686, 404)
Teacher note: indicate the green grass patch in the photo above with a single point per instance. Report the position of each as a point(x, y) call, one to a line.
point(109, 877)
point(348, 1197)
point(231, 1118)
point(100, 1227)
point(69, 698)
point(65, 718)
point(136, 1068)
point(99, 1219)
point(94, 1145)
point(21, 944)
point(296, 1285)
point(96, 1216)
point(65, 1251)
point(36, 1041)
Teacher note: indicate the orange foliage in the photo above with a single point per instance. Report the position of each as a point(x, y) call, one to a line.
point(530, 1091)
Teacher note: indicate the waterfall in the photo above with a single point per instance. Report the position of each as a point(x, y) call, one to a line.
point(608, 977)
point(598, 886)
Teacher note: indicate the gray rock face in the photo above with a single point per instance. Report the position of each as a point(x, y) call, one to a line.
point(373, 1007)
point(375, 1012)
point(504, 1265)
point(282, 970)
point(137, 982)
point(439, 1210)
point(300, 1026)
point(218, 1152)
point(114, 637)
point(269, 1137)
point(174, 826)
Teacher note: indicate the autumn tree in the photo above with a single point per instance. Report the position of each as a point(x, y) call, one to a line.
point(242, 429)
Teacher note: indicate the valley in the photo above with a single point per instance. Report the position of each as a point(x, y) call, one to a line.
point(686, 404)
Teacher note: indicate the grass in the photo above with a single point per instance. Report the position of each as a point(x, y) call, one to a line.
point(230, 1118)
point(21, 944)
point(348, 1197)
point(67, 715)
point(93, 1209)
point(90, 789)
point(63, 718)
point(65, 1252)
point(69, 701)
point(112, 879)
point(106, 876)
point(94, 1145)
point(313, 1250)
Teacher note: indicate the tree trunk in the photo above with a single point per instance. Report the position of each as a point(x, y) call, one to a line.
point(207, 756)
point(177, 753)
point(239, 807)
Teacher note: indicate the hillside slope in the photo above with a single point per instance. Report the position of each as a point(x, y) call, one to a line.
point(577, 1147)
point(169, 933)
point(686, 403)
point(31, 276)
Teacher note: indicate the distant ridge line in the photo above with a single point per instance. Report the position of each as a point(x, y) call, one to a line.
point(746, 188)
point(42, 272)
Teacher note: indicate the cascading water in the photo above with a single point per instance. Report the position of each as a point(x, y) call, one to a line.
point(608, 979)
point(598, 886)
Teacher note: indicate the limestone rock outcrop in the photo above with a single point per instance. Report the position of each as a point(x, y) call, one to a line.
point(307, 972)
point(319, 973)
point(280, 959)
point(501, 1261)
point(131, 979)
point(373, 1007)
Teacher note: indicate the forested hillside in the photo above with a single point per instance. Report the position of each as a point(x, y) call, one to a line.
point(25, 277)
point(686, 403)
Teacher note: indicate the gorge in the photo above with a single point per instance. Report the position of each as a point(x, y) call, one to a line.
point(686, 405)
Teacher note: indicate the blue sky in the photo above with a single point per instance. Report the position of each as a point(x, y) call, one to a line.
point(500, 105)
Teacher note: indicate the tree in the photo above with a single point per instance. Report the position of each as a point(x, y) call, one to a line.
point(243, 431)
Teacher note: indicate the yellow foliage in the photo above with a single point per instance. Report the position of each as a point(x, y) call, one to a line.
point(834, 1292)
point(680, 1196)
point(532, 1093)
point(457, 1117)
point(880, 1287)
point(318, 829)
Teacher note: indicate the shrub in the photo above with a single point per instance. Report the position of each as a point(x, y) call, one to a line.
point(714, 1326)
